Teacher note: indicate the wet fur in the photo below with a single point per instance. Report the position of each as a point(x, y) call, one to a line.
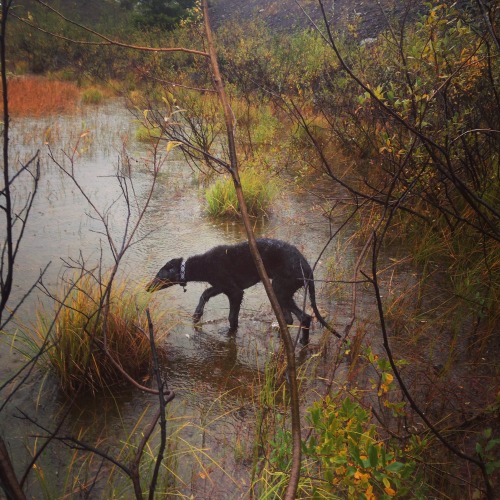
point(230, 269)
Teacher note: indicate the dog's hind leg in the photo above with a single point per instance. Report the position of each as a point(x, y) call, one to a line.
point(205, 297)
point(305, 322)
point(284, 300)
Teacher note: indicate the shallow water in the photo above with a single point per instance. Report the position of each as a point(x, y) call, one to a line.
point(211, 372)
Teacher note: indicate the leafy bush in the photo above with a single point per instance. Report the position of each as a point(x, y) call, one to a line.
point(345, 456)
point(161, 14)
point(348, 454)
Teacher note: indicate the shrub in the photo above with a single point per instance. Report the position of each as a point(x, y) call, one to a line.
point(347, 453)
point(345, 457)
point(259, 191)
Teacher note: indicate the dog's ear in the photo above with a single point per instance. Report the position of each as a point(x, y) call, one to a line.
point(167, 276)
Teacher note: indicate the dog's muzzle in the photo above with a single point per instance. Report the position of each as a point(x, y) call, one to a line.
point(158, 284)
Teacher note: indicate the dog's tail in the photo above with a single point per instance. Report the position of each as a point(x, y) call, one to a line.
point(312, 294)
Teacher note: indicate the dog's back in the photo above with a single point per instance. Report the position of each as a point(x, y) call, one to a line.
point(281, 260)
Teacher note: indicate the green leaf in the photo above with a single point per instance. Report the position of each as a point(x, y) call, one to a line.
point(395, 467)
point(492, 466)
point(373, 455)
point(354, 451)
point(491, 444)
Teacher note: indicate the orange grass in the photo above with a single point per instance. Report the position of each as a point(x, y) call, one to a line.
point(34, 96)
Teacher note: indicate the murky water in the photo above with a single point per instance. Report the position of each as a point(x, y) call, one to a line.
point(211, 372)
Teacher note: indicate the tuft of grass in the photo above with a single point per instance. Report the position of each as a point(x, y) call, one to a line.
point(259, 190)
point(87, 341)
point(92, 95)
point(34, 96)
point(146, 134)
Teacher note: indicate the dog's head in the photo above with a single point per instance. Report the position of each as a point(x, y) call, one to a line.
point(168, 275)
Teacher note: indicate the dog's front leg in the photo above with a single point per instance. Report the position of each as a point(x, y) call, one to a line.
point(235, 298)
point(205, 297)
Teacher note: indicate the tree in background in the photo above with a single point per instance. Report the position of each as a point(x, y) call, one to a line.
point(162, 14)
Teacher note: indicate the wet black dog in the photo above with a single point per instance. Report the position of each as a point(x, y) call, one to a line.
point(230, 269)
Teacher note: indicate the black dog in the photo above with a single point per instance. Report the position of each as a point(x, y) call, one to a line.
point(230, 269)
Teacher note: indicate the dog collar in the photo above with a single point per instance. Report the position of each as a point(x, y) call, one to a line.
point(182, 277)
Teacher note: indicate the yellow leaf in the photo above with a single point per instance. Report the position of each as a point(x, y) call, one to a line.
point(171, 145)
point(369, 493)
point(390, 492)
point(361, 477)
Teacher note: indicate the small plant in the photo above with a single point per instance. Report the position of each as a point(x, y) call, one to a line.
point(88, 341)
point(259, 190)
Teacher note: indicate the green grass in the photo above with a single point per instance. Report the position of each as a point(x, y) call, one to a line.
point(259, 190)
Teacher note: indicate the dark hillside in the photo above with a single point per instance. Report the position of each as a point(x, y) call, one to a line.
point(372, 15)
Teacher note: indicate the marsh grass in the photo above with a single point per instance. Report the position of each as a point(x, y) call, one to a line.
point(459, 279)
point(34, 96)
point(84, 336)
point(259, 189)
